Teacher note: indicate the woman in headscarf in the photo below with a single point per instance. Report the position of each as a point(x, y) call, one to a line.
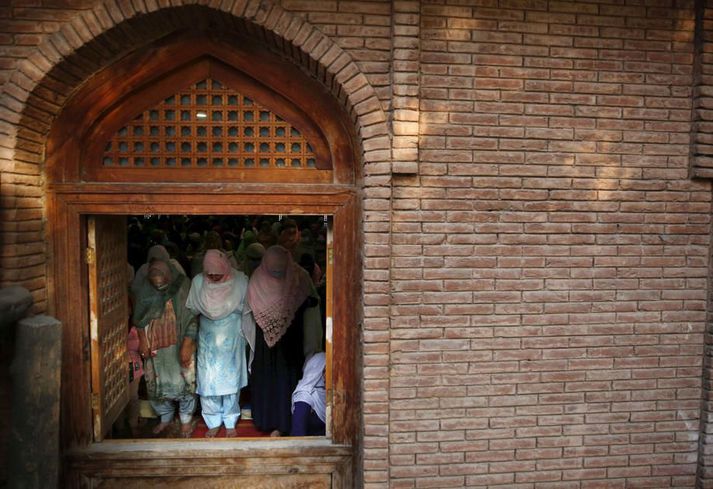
point(136, 365)
point(265, 236)
point(285, 307)
point(309, 401)
point(167, 332)
point(213, 241)
point(156, 252)
point(253, 258)
point(289, 237)
point(218, 295)
point(249, 237)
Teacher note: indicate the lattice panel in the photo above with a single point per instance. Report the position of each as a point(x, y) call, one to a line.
point(208, 125)
point(112, 287)
point(109, 317)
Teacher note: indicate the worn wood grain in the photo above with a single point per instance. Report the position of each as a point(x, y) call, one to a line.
point(231, 482)
point(109, 312)
point(212, 463)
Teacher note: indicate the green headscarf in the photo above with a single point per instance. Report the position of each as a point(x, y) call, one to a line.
point(149, 303)
point(249, 238)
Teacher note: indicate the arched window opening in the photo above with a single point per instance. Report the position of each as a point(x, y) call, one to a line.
point(224, 126)
point(210, 162)
point(202, 111)
point(209, 125)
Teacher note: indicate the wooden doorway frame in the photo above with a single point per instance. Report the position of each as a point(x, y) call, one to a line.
point(71, 198)
point(68, 282)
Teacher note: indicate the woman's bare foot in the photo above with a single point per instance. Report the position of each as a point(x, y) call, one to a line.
point(161, 427)
point(187, 430)
point(231, 432)
point(275, 434)
point(212, 432)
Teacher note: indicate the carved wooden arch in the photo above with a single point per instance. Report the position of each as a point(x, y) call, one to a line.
point(116, 94)
point(99, 106)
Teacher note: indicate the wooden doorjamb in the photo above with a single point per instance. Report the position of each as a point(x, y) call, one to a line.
point(68, 209)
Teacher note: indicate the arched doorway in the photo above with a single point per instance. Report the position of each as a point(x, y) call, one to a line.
point(99, 163)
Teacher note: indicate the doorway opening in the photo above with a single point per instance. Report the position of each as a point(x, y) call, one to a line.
point(127, 410)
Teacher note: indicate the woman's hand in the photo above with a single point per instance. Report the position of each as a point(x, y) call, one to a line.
point(144, 349)
point(187, 349)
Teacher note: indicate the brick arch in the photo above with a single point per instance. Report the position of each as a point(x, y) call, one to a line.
point(40, 86)
point(37, 90)
point(73, 53)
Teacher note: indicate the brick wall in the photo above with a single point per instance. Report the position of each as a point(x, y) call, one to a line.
point(362, 28)
point(536, 273)
point(36, 86)
point(551, 259)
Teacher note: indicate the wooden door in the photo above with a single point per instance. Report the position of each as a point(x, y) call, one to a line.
point(329, 326)
point(108, 319)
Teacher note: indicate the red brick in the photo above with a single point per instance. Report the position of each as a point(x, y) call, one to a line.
point(548, 263)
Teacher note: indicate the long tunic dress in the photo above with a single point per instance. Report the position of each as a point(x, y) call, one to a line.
point(222, 368)
point(222, 365)
point(275, 374)
point(165, 377)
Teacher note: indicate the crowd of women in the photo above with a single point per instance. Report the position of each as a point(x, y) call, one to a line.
point(219, 305)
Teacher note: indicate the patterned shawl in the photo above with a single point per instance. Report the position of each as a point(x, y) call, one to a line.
point(275, 299)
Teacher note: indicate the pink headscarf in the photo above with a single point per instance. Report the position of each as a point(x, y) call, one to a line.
point(274, 300)
point(216, 263)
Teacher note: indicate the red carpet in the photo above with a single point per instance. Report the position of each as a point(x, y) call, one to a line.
point(245, 428)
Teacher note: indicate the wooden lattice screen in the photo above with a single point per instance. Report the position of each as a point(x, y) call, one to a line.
point(209, 125)
point(109, 315)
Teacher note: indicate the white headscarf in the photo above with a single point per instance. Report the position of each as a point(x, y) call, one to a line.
point(311, 388)
point(216, 300)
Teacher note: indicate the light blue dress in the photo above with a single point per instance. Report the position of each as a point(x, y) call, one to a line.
point(222, 366)
point(221, 362)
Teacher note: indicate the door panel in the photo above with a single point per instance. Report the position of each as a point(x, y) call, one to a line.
point(108, 318)
point(329, 326)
